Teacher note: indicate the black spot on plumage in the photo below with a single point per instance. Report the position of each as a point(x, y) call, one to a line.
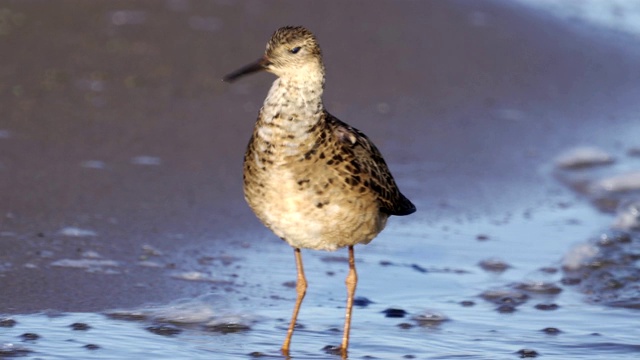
point(356, 166)
point(309, 153)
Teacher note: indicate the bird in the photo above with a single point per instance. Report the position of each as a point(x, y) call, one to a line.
point(313, 180)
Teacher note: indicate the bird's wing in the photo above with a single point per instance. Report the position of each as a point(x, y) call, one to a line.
point(368, 166)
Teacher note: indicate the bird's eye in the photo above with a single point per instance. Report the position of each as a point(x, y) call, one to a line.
point(295, 50)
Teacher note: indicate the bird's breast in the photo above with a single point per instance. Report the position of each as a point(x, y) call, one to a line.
point(305, 202)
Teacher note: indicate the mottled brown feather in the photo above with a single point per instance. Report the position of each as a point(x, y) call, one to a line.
point(370, 166)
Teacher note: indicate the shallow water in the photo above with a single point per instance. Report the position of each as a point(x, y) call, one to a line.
point(122, 207)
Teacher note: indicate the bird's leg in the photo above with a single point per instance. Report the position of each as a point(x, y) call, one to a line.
point(351, 281)
point(301, 289)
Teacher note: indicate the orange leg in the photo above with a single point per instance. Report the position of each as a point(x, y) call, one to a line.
point(351, 281)
point(301, 289)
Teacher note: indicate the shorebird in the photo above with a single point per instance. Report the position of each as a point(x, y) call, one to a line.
point(315, 181)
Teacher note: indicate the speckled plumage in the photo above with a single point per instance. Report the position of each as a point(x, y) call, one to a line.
point(315, 181)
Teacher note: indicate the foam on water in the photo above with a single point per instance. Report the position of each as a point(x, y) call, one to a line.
point(584, 156)
point(620, 15)
point(629, 181)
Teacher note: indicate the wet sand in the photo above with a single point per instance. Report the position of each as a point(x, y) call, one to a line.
point(121, 149)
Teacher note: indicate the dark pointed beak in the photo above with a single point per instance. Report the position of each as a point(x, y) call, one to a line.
point(259, 65)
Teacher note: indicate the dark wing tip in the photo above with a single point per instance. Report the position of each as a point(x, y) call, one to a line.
point(405, 207)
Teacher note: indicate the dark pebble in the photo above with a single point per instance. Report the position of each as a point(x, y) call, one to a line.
point(385, 263)
point(634, 152)
point(430, 319)
point(539, 287)
point(289, 284)
point(570, 281)
point(506, 309)
point(493, 265)
point(527, 353)
point(467, 303)
point(505, 297)
point(394, 313)
point(80, 326)
point(482, 237)
point(419, 268)
point(549, 270)
point(229, 328)
point(7, 322)
point(127, 316)
point(362, 301)
point(332, 350)
point(11, 350)
point(547, 307)
point(30, 336)
point(551, 331)
point(91, 347)
point(257, 354)
point(409, 357)
point(334, 259)
point(164, 330)
point(405, 326)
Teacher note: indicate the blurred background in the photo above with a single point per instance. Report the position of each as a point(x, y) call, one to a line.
point(512, 125)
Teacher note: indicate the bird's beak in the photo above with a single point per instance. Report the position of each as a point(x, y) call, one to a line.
point(259, 65)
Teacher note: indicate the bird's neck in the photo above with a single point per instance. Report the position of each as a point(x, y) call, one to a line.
point(292, 108)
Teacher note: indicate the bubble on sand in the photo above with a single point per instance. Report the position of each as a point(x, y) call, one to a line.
point(430, 318)
point(90, 265)
point(146, 160)
point(90, 254)
point(93, 164)
point(150, 264)
point(198, 276)
point(72, 231)
point(151, 250)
